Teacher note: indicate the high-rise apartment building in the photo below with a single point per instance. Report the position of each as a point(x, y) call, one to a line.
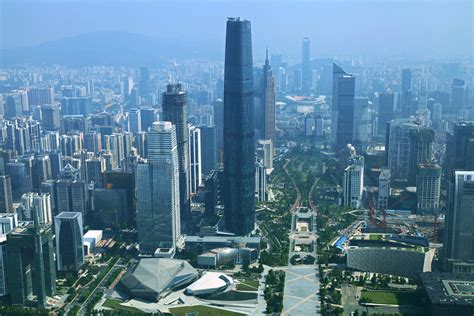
point(195, 161)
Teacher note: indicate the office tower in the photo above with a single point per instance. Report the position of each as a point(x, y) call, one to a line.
point(69, 244)
point(239, 133)
point(208, 148)
point(175, 110)
point(260, 182)
point(265, 153)
point(276, 62)
point(398, 148)
point(306, 74)
point(40, 96)
point(342, 118)
point(134, 121)
point(20, 178)
point(362, 123)
point(147, 117)
point(110, 207)
point(6, 198)
point(71, 192)
point(31, 268)
point(50, 117)
point(157, 181)
point(421, 151)
point(459, 149)
point(40, 171)
point(318, 126)
point(219, 123)
point(123, 180)
point(213, 191)
point(195, 161)
point(297, 77)
point(40, 203)
point(3, 265)
point(127, 86)
point(458, 96)
point(144, 83)
point(268, 102)
point(93, 142)
point(386, 111)
point(459, 236)
point(95, 168)
point(76, 106)
point(428, 185)
point(384, 188)
point(353, 181)
point(406, 96)
point(406, 79)
point(114, 144)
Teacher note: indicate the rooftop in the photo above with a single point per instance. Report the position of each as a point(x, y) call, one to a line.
point(449, 289)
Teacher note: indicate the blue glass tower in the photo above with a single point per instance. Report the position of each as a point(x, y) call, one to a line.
point(239, 134)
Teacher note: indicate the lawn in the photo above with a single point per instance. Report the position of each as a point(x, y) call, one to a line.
point(391, 298)
point(248, 284)
point(201, 310)
point(114, 304)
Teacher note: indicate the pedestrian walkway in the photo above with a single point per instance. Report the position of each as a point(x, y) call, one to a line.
point(301, 290)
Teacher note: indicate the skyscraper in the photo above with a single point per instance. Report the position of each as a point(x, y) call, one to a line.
point(386, 109)
point(157, 184)
point(134, 121)
point(384, 189)
point(239, 134)
point(268, 102)
point(459, 149)
point(421, 151)
point(406, 96)
point(6, 198)
point(144, 83)
point(71, 191)
point(353, 180)
point(208, 148)
point(428, 185)
point(31, 267)
point(459, 235)
point(175, 110)
point(195, 161)
point(458, 96)
point(306, 73)
point(69, 244)
point(342, 119)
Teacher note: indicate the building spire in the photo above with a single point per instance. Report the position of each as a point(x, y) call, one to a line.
point(266, 56)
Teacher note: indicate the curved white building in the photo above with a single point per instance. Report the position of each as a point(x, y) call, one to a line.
point(210, 283)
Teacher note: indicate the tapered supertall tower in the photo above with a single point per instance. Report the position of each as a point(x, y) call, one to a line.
point(239, 134)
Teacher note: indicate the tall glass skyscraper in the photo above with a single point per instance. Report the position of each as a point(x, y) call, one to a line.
point(69, 243)
point(459, 236)
point(239, 134)
point(342, 120)
point(306, 73)
point(175, 110)
point(157, 187)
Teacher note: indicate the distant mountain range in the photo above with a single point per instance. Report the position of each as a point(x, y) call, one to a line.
point(114, 48)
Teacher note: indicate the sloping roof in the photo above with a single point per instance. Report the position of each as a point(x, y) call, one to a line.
point(152, 276)
point(210, 281)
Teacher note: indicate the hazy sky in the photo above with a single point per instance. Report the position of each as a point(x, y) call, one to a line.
point(441, 28)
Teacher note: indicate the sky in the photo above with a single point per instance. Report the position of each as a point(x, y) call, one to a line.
point(365, 28)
